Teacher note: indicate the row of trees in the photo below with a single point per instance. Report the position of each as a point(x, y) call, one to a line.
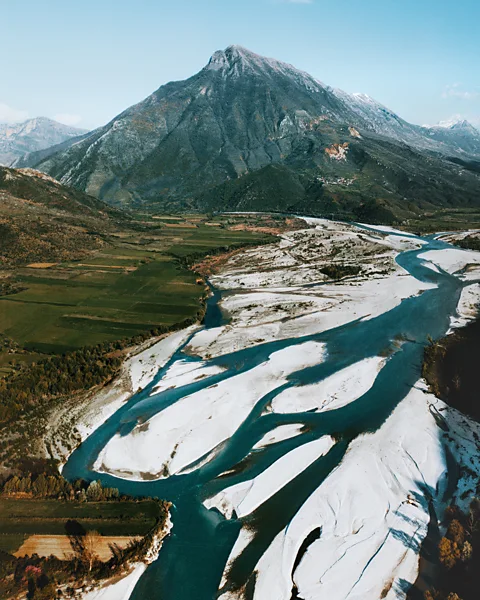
point(35, 385)
point(470, 242)
point(55, 486)
point(450, 368)
point(339, 271)
point(56, 376)
point(8, 287)
point(190, 260)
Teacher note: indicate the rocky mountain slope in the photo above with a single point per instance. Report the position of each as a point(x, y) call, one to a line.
point(457, 137)
point(44, 221)
point(30, 159)
point(231, 135)
point(30, 136)
point(460, 135)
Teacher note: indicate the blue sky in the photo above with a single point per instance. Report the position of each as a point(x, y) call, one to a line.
point(84, 61)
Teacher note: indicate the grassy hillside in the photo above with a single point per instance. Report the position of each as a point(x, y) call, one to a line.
point(43, 221)
point(336, 175)
point(76, 272)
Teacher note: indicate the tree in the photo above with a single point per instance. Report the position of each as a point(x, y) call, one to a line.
point(448, 552)
point(32, 588)
point(467, 551)
point(456, 532)
point(473, 518)
point(13, 485)
point(40, 487)
point(90, 544)
point(26, 484)
point(84, 543)
point(94, 491)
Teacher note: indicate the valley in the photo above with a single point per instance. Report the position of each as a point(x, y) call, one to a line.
point(55, 387)
point(95, 275)
point(135, 283)
point(238, 328)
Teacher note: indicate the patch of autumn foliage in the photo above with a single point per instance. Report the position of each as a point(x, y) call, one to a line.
point(459, 556)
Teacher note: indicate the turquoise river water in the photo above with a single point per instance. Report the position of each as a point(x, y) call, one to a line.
point(193, 557)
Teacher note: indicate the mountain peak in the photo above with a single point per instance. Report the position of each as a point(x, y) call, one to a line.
point(233, 55)
point(38, 133)
point(236, 61)
point(465, 125)
point(237, 50)
point(457, 123)
point(239, 115)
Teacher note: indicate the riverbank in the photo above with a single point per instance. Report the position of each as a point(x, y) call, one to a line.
point(450, 366)
point(75, 421)
point(122, 586)
point(270, 293)
point(451, 369)
point(373, 510)
point(280, 291)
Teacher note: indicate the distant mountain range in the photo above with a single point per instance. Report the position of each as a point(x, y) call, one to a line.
point(458, 137)
point(33, 135)
point(249, 132)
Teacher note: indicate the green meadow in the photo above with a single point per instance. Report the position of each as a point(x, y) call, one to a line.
point(20, 518)
point(137, 282)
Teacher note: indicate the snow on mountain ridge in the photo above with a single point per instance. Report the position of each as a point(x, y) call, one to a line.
point(456, 123)
point(359, 109)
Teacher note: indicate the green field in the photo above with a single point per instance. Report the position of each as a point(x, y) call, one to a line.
point(11, 542)
point(453, 219)
point(132, 285)
point(22, 517)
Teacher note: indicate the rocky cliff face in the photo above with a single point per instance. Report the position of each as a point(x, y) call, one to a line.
point(238, 116)
point(30, 136)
